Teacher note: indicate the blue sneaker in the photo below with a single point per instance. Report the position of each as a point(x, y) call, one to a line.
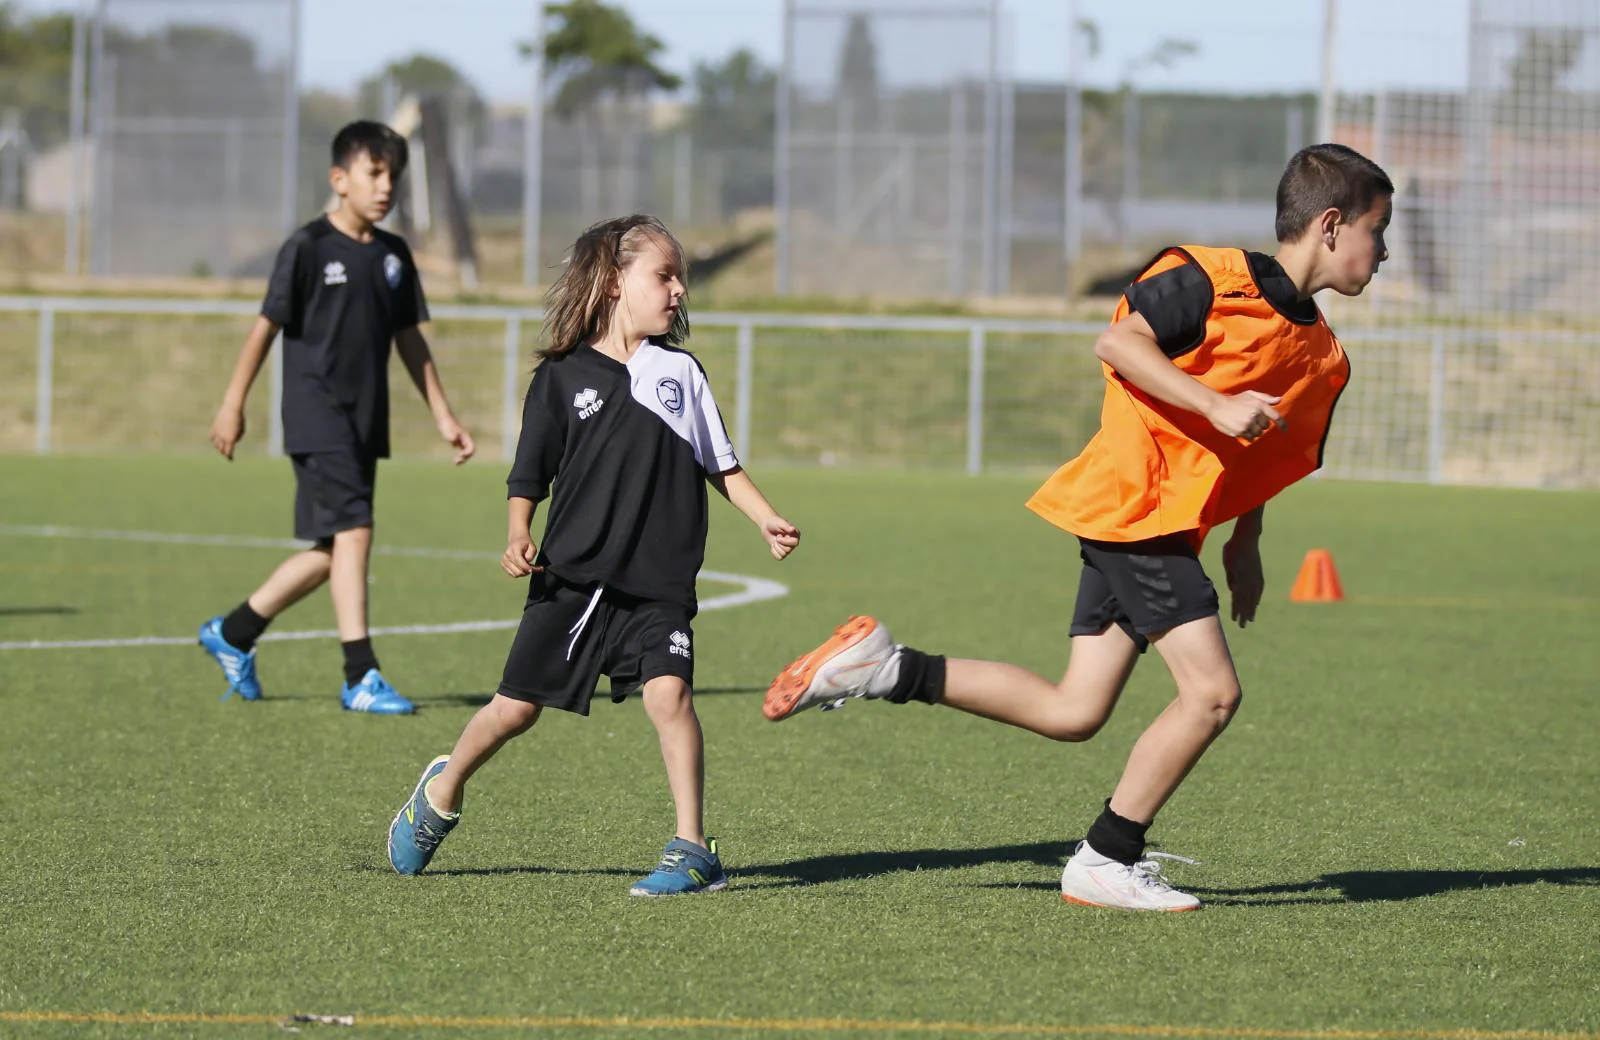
point(418, 827)
point(685, 868)
point(238, 666)
point(374, 695)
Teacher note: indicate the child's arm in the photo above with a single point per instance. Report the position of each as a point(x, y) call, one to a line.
point(227, 429)
point(1130, 347)
point(1241, 562)
point(520, 553)
point(736, 486)
point(418, 359)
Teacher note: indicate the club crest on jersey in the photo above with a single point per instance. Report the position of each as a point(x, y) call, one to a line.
point(670, 393)
point(587, 402)
point(680, 644)
point(392, 270)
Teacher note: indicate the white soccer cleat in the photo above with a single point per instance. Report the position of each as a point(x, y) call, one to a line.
point(1091, 879)
point(858, 660)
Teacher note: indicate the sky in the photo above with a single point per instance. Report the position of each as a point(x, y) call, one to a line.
point(1260, 45)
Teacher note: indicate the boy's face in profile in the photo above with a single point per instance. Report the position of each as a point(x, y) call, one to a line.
point(1358, 247)
point(366, 187)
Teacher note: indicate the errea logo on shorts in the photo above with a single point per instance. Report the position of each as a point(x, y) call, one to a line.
point(334, 274)
point(680, 644)
point(587, 402)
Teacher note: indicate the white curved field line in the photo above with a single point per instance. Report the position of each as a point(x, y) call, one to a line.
point(753, 590)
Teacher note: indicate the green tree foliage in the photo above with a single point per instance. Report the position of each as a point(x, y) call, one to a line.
point(732, 119)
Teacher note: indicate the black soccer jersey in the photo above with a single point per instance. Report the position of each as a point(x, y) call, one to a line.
point(627, 448)
point(340, 302)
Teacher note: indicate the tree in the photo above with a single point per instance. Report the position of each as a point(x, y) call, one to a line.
point(732, 121)
point(36, 54)
point(858, 72)
point(423, 74)
point(1534, 74)
point(597, 54)
point(597, 51)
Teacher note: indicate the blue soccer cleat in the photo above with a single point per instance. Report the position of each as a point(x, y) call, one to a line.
point(238, 666)
point(685, 868)
point(418, 827)
point(375, 696)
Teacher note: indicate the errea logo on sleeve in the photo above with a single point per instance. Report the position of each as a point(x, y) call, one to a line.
point(587, 402)
point(680, 644)
point(334, 274)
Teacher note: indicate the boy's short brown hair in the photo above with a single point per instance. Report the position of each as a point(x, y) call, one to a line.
point(1327, 176)
point(373, 139)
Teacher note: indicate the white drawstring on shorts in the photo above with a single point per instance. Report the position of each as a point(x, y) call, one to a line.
point(577, 630)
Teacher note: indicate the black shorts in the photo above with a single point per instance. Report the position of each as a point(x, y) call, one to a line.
point(1144, 588)
point(333, 492)
point(567, 639)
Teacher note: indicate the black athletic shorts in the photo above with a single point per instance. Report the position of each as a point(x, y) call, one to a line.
point(570, 634)
point(333, 492)
point(1144, 588)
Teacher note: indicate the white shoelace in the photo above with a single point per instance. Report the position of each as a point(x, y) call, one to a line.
point(1148, 872)
point(577, 630)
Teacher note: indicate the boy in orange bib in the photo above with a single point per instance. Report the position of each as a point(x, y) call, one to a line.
point(1221, 380)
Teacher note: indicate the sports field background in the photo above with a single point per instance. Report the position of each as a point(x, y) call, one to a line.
point(1398, 835)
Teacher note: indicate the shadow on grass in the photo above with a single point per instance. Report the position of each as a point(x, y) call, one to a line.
point(1392, 886)
point(7, 612)
point(1368, 886)
point(819, 870)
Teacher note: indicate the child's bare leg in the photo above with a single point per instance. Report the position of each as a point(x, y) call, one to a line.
point(294, 580)
point(488, 730)
point(348, 581)
point(1073, 709)
point(670, 704)
point(1208, 695)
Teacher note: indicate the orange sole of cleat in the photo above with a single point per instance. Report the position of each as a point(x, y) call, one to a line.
point(1075, 901)
point(791, 683)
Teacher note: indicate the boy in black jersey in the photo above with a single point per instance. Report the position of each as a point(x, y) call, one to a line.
point(341, 290)
point(621, 433)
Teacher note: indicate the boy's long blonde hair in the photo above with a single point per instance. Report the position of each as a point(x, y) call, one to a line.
point(579, 306)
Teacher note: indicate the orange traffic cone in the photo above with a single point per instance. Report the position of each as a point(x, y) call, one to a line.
point(1317, 581)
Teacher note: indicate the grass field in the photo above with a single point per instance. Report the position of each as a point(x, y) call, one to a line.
point(1398, 838)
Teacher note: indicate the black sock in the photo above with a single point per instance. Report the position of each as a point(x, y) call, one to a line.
point(358, 659)
point(921, 678)
point(1117, 837)
point(243, 627)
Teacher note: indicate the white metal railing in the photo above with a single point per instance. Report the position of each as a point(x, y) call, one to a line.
point(1454, 360)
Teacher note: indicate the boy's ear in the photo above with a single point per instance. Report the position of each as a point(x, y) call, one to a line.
point(338, 179)
point(1326, 224)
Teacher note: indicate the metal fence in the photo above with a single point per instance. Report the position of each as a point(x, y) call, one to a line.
point(192, 122)
point(1444, 405)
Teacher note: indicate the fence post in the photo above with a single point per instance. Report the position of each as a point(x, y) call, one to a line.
point(975, 352)
point(46, 380)
point(743, 391)
point(509, 420)
point(1436, 409)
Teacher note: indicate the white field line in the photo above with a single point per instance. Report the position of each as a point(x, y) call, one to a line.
point(754, 590)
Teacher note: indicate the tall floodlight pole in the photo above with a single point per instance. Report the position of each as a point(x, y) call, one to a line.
point(291, 122)
point(1072, 231)
point(533, 157)
point(1330, 49)
point(781, 201)
point(77, 108)
point(988, 245)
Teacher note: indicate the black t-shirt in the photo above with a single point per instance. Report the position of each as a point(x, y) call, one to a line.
point(1177, 302)
point(623, 451)
point(340, 303)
